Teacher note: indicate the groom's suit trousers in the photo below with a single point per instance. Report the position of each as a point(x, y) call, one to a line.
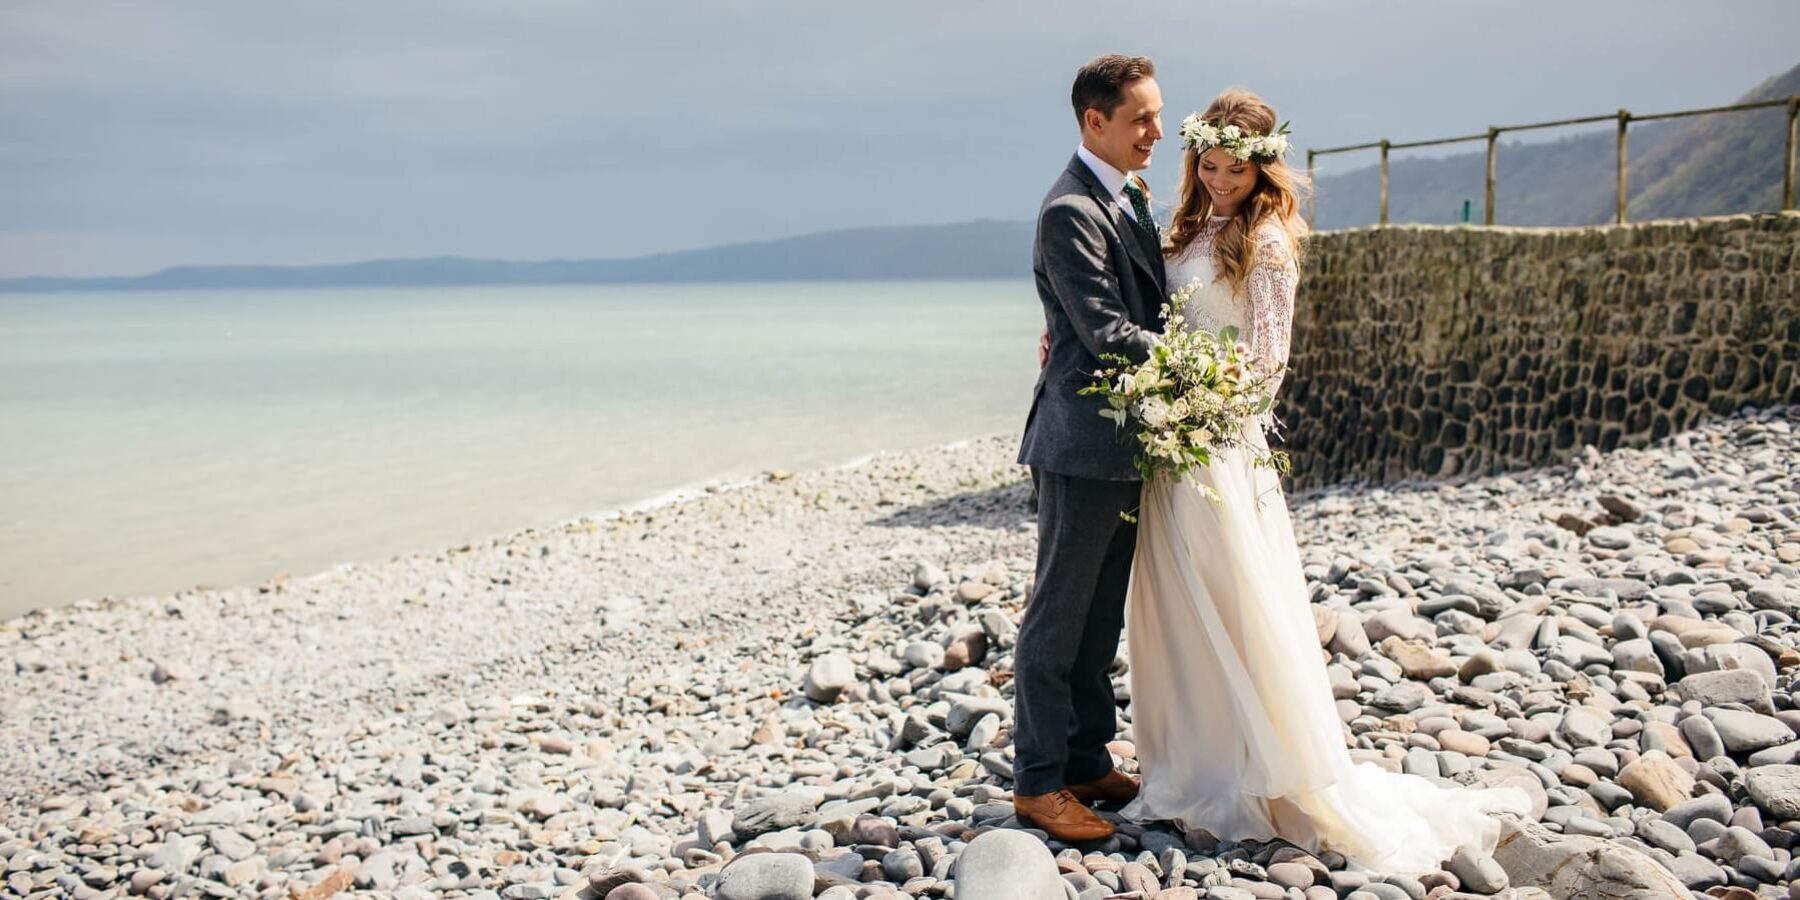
point(1064, 710)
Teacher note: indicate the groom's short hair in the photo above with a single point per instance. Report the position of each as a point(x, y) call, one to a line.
point(1101, 83)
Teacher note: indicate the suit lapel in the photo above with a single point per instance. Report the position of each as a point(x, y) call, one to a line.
point(1134, 242)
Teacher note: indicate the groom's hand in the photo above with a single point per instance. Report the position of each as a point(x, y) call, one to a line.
point(1044, 348)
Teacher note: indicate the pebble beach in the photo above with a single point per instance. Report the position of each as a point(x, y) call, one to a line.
point(799, 687)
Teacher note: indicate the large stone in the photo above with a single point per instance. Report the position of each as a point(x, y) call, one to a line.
point(1397, 622)
point(714, 826)
point(172, 857)
point(1637, 655)
point(1739, 842)
point(1702, 737)
point(1006, 865)
point(1747, 732)
point(1610, 538)
point(1465, 742)
point(1710, 635)
point(1577, 866)
point(829, 676)
point(1776, 789)
point(1728, 686)
point(232, 845)
point(902, 864)
point(1659, 833)
point(624, 873)
point(1778, 755)
point(1697, 872)
point(789, 809)
point(1577, 653)
point(1622, 508)
point(632, 892)
point(967, 647)
point(1478, 873)
point(1403, 697)
point(330, 886)
point(1705, 806)
point(1417, 659)
point(1350, 638)
point(1726, 657)
point(1665, 737)
point(923, 654)
point(1291, 875)
point(1325, 623)
point(1518, 778)
point(926, 576)
point(380, 872)
point(1580, 728)
point(965, 711)
point(1655, 781)
point(1481, 662)
point(766, 876)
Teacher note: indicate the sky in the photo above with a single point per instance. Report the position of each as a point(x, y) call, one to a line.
point(140, 135)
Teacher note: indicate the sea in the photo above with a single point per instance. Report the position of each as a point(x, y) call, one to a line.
point(154, 441)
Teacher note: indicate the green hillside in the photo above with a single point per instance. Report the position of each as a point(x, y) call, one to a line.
point(1708, 165)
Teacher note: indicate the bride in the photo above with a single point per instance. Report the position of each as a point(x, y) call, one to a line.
point(1235, 726)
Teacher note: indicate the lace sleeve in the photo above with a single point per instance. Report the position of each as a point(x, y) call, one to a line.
point(1271, 285)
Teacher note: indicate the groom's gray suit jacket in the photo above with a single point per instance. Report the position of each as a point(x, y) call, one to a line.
point(1101, 281)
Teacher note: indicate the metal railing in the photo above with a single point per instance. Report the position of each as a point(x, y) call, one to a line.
point(1623, 117)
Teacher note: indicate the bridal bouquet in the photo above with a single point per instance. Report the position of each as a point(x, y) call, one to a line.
point(1196, 395)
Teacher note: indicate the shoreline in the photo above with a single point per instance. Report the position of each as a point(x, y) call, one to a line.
point(740, 538)
point(682, 493)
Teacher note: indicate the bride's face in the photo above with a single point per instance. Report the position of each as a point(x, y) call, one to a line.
point(1227, 179)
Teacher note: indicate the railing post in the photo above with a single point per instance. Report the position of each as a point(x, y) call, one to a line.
point(1493, 145)
point(1624, 126)
point(1384, 181)
point(1793, 136)
point(1312, 196)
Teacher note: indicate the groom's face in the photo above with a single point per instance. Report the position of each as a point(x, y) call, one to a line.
point(1126, 138)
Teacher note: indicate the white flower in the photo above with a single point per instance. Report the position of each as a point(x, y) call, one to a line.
point(1154, 411)
point(1179, 410)
point(1202, 135)
point(1126, 383)
point(1168, 446)
point(1149, 377)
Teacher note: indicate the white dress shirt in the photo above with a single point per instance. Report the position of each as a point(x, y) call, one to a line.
point(1110, 178)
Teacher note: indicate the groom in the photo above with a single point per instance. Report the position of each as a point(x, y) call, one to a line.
point(1100, 276)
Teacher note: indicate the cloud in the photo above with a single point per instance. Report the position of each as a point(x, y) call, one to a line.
point(219, 132)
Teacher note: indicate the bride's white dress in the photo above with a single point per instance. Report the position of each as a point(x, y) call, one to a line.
point(1235, 726)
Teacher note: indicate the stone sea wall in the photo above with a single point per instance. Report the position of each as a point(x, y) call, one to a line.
point(1428, 351)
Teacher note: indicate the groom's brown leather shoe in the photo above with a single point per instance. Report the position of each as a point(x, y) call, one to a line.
point(1066, 818)
point(1114, 787)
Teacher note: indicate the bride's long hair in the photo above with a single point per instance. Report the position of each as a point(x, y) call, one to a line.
point(1276, 196)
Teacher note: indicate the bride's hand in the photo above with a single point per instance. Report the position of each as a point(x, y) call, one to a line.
point(1044, 348)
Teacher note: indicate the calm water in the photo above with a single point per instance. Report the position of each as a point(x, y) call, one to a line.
point(154, 441)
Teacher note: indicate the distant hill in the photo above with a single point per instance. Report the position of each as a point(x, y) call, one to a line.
point(1710, 165)
point(1706, 165)
point(970, 250)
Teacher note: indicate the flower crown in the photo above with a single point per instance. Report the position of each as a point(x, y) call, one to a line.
point(1199, 135)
